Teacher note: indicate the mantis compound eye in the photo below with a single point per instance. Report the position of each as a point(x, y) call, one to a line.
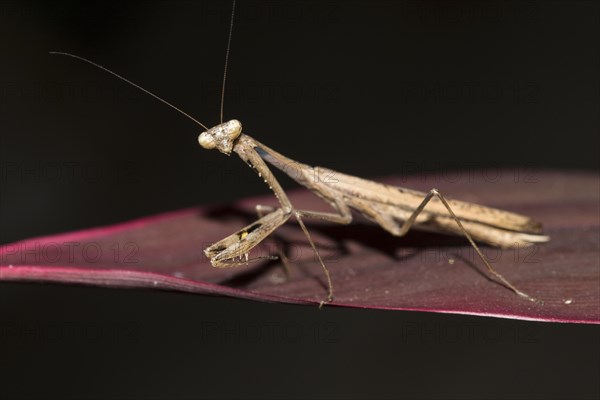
point(207, 141)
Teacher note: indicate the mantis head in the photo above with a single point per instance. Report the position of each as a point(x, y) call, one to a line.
point(221, 136)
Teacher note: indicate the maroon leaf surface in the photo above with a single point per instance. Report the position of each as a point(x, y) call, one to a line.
point(369, 267)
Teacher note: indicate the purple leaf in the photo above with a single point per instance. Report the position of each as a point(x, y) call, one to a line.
point(369, 267)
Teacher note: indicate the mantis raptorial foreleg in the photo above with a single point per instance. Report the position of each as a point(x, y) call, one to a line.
point(233, 250)
point(223, 253)
point(261, 211)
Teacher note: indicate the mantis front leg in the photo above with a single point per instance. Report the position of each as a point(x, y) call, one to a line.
point(233, 250)
point(261, 211)
point(229, 251)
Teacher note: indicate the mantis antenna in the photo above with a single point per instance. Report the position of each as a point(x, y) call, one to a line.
point(60, 53)
point(131, 83)
point(227, 59)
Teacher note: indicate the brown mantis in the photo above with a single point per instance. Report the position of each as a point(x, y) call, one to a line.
point(395, 209)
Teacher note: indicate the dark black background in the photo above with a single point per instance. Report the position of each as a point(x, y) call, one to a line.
point(368, 88)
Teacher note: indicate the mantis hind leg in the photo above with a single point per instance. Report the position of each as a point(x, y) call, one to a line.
point(405, 227)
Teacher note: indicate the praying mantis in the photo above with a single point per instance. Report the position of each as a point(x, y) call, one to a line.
point(394, 209)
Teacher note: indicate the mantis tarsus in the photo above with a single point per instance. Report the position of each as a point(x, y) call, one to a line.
point(395, 209)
